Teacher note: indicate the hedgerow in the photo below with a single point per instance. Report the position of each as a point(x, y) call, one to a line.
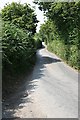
point(61, 30)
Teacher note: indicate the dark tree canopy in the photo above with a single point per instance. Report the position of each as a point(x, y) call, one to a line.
point(20, 15)
point(61, 31)
point(19, 27)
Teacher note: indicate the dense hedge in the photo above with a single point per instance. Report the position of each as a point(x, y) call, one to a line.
point(18, 44)
point(61, 30)
point(18, 36)
point(18, 48)
point(71, 56)
point(38, 41)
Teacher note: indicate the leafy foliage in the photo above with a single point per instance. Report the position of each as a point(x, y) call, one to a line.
point(20, 15)
point(38, 41)
point(18, 32)
point(18, 44)
point(18, 47)
point(61, 30)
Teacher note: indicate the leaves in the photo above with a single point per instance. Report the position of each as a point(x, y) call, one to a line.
point(20, 15)
point(61, 30)
point(17, 36)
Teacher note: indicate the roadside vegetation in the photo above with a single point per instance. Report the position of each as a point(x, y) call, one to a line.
point(20, 41)
point(61, 31)
point(18, 44)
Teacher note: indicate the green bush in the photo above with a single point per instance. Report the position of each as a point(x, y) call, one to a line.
point(38, 41)
point(18, 47)
point(18, 44)
point(74, 57)
point(70, 55)
point(58, 48)
point(61, 30)
point(18, 36)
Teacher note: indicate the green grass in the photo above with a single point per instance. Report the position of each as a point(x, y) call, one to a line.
point(69, 54)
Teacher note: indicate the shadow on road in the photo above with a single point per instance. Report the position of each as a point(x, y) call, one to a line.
point(49, 60)
point(18, 100)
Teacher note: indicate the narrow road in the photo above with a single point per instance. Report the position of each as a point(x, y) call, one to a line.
point(51, 91)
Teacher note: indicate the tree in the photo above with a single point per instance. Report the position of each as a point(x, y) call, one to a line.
point(18, 36)
point(20, 15)
point(61, 31)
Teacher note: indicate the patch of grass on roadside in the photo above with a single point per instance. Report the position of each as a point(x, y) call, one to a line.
point(69, 55)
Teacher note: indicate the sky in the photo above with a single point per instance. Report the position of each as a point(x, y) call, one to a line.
point(39, 13)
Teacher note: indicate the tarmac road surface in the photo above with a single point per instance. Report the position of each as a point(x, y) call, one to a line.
point(51, 91)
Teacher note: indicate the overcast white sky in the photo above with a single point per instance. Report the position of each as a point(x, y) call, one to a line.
point(40, 16)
